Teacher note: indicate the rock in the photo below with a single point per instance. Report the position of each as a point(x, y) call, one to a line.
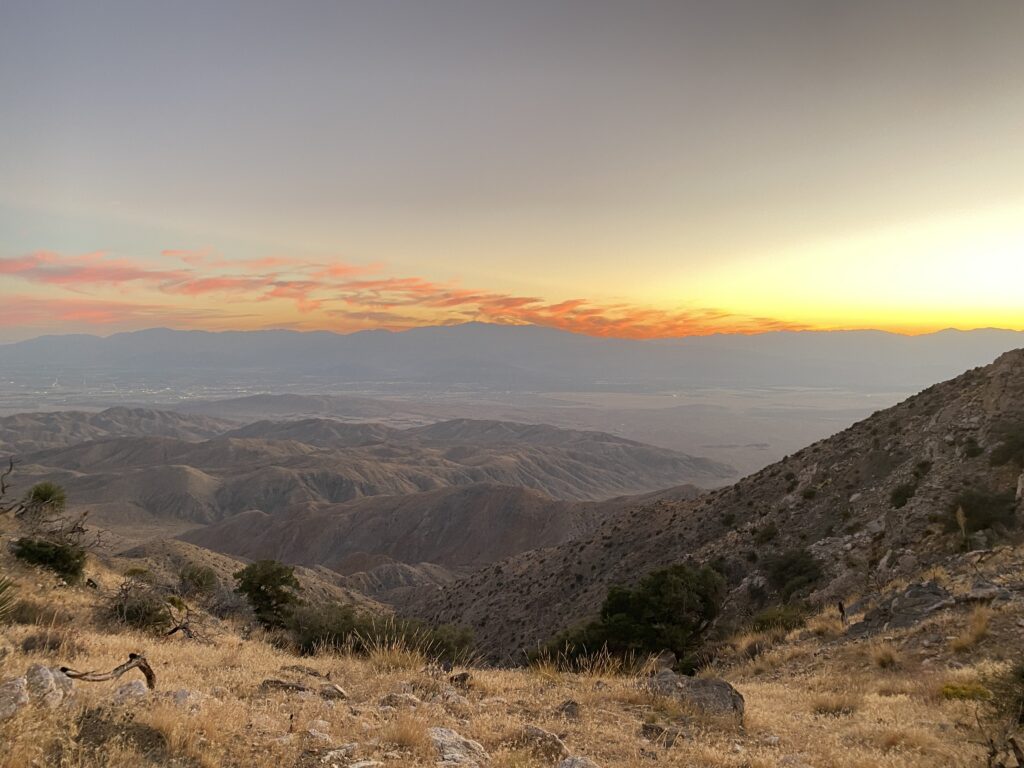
point(185, 698)
point(454, 749)
point(544, 742)
point(577, 762)
point(661, 734)
point(397, 700)
point(132, 691)
point(569, 708)
point(906, 609)
point(665, 660)
point(271, 685)
point(313, 734)
point(709, 695)
point(47, 687)
point(985, 594)
point(320, 725)
point(365, 764)
point(13, 697)
point(332, 691)
point(462, 680)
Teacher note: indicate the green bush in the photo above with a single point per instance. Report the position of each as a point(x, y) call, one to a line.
point(901, 494)
point(785, 617)
point(48, 498)
point(1010, 447)
point(969, 691)
point(983, 509)
point(271, 589)
point(792, 571)
point(766, 534)
point(197, 579)
point(67, 560)
point(669, 609)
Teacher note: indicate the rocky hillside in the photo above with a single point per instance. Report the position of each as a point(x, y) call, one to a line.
point(274, 467)
point(453, 527)
point(29, 432)
point(871, 503)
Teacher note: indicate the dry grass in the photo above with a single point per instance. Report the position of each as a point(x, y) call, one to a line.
point(975, 631)
point(885, 655)
point(799, 706)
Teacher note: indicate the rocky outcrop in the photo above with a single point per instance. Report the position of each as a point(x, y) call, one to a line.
point(707, 695)
point(456, 750)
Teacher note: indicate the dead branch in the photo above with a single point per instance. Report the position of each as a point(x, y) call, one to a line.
point(135, 661)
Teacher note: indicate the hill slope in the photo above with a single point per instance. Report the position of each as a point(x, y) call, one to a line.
point(874, 500)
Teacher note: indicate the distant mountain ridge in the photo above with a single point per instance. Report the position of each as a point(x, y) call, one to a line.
point(275, 467)
point(516, 357)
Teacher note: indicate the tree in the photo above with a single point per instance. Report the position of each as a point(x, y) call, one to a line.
point(271, 589)
point(670, 609)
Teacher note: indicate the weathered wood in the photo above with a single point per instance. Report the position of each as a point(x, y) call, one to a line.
point(135, 661)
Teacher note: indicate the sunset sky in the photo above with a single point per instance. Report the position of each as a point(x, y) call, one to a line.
point(637, 169)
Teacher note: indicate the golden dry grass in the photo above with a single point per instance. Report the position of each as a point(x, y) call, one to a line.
point(800, 708)
point(975, 631)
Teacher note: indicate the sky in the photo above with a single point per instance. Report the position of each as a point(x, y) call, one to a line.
point(636, 169)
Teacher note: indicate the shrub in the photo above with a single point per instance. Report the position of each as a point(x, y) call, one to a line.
point(969, 691)
point(197, 579)
point(66, 560)
point(1007, 701)
point(901, 494)
point(138, 605)
point(791, 571)
point(885, 656)
point(982, 509)
point(270, 587)
point(976, 630)
point(48, 498)
point(669, 609)
point(787, 617)
point(1011, 445)
point(766, 534)
point(809, 493)
point(971, 448)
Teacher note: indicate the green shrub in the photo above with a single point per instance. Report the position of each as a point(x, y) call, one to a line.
point(982, 509)
point(785, 617)
point(1007, 700)
point(669, 609)
point(969, 691)
point(766, 533)
point(1010, 447)
point(45, 498)
point(67, 560)
point(271, 589)
point(197, 579)
point(791, 571)
point(901, 494)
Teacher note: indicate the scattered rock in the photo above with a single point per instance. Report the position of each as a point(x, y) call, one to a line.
point(709, 695)
point(544, 742)
point(13, 697)
point(462, 680)
point(132, 691)
point(454, 749)
point(666, 736)
point(398, 700)
point(333, 691)
point(569, 709)
point(47, 687)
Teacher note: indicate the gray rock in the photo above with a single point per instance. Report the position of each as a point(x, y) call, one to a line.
point(544, 742)
point(454, 749)
point(333, 692)
point(129, 692)
point(13, 697)
point(905, 609)
point(397, 700)
point(570, 709)
point(47, 687)
point(709, 695)
point(577, 762)
point(660, 734)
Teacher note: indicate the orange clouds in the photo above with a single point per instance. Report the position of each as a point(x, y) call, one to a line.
point(335, 295)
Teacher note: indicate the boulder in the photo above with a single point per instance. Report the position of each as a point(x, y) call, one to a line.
point(905, 609)
point(454, 749)
point(130, 692)
point(13, 697)
point(397, 700)
point(577, 762)
point(709, 695)
point(543, 742)
point(47, 687)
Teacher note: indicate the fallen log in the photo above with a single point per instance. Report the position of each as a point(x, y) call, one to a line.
point(135, 661)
